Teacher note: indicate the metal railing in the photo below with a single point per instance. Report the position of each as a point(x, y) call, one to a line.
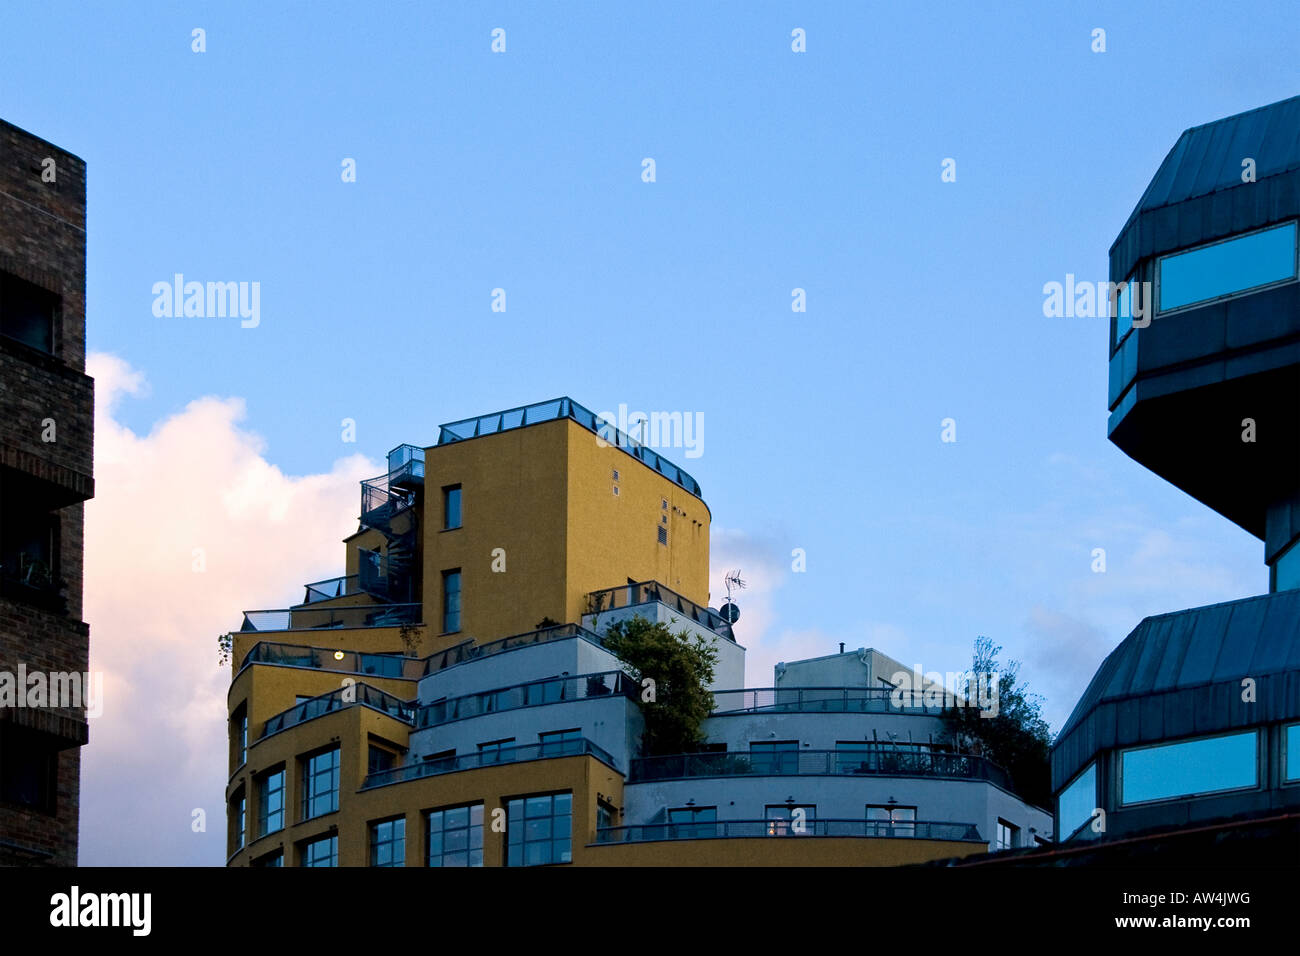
point(734, 829)
point(894, 760)
point(429, 768)
point(405, 463)
point(647, 592)
point(470, 651)
point(303, 618)
point(531, 694)
point(325, 659)
point(358, 695)
point(828, 700)
point(332, 588)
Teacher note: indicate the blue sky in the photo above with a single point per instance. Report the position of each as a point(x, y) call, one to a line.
point(774, 170)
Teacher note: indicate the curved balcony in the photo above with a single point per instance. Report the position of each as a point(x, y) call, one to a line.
point(531, 694)
point(750, 829)
point(649, 592)
point(546, 751)
point(327, 659)
point(358, 695)
point(470, 651)
point(306, 617)
point(815, 700)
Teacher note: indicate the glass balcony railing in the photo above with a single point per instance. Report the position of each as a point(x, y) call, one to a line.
point(507, 755)
point(744, 829)
point(815, 700)
point(346, 662)
point(304, 618)
point(332, 588)
point(532, 694)
point(892, 760)
point(358, 695)
point(470, 651)
point(648, 592)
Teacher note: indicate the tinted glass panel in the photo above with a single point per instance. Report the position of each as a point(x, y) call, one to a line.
point(1227, 267)
point(1190, 767)
point(1286, 569)
point(1077, 801)
point(1292, 745)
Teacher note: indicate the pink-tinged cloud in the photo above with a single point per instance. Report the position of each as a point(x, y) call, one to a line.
point(190, 525)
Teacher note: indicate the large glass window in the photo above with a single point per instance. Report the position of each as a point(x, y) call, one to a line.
point(388, 843)
point(1286, 569)
point(1291, 750)
point(1228, 268)
point(892, 820)
point(27, 312)
point(1075, 805)
point(1008, 836)
point(456, 836)
point(451, 507)
point(774, 756)
point(539, 830)
point(324, 852)
point(270, 803)
point(693, 822)
point(790, 819)
point(1189, 768)
point(451, 601)
point(320, 784)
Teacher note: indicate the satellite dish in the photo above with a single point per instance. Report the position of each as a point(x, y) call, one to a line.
point(730, 613)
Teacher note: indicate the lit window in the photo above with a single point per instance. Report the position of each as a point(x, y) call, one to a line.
point(892, 821)
point(456, 836)
point(451, 507)
point(539, 830)
point(451, 601)
point(790, 819)
point(388, 843)
point(1228, 268)
point(1075, 805)
point(1008, 836)
point(320, 784)
point(324, 852)
point(1189, 768)
point(270, 803)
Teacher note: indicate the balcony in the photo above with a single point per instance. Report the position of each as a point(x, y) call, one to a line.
point(306, 618)
point(532, 694)
point(749, 829)
point(361, 695)
point(406, 467)
point(886, 760)
point(345, 662)
point(508, 755)
point(815, 700)
point(650, 592)
point(470, 651)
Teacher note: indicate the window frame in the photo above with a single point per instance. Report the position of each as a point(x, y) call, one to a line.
point(395, 842)
point(1165, 744)
point(473, 831)
point(1202, 303)
point(446, 594)
point(447, 491)
point(264, 814)
point(309, 777)
point(522, 827)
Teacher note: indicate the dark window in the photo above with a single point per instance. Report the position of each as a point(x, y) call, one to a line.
point(28, 768)
point(29, 545)
point(560, 742)
point(238, 816)
point(239, 735)
point(451, 507)
point(451, 601)
point(490, 752)
point(380, 760)
point(774, 757)
point(271, 859)
point(456, 836)
point(663, 535)
point(27, 312)
point(693, 822)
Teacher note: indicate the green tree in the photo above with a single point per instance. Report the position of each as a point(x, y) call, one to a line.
point(1017, 737)
point(682, 670)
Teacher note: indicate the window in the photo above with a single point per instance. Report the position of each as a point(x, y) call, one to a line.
point(616, 491)
point(388, 842)
point(1227, 268)
point(27, 312)
point(616, 474)
point(693, 822)
point(855, 756)
point(323, 852)
point(1291, 753)
point(790, 819)
point(1124, 309)
point(238, 814)
point(1075, 805)
point(606, 815)
point(1008, 836)
point(774, 757)
point(539, 830)
point(444, 758)
point(663, 504)
point(270, 802)
point(451, 601)
point(560, 742)
point(456, 836)
point(29, 546)
point(1286, 569)
point(320, 784)
point(380, 760)
point(491, 751)
point(450, 507)
point(663, 535)
point(270, 859)
point(1189, 768)
point(239, 735)
point(892, 820)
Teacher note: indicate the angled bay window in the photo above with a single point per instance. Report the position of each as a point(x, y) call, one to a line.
point(1124, 310)
point(1227, 268)
point(270, 802)
point(1075, 805)
point(456, 836)
point(1189, 768)
point(320, 783)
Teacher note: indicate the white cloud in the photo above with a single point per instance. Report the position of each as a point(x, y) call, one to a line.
point(197, 480)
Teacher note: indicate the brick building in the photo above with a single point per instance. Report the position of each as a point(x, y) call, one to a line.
point(46, 420)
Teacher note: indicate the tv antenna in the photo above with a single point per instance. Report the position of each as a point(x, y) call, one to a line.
point(729, 611)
